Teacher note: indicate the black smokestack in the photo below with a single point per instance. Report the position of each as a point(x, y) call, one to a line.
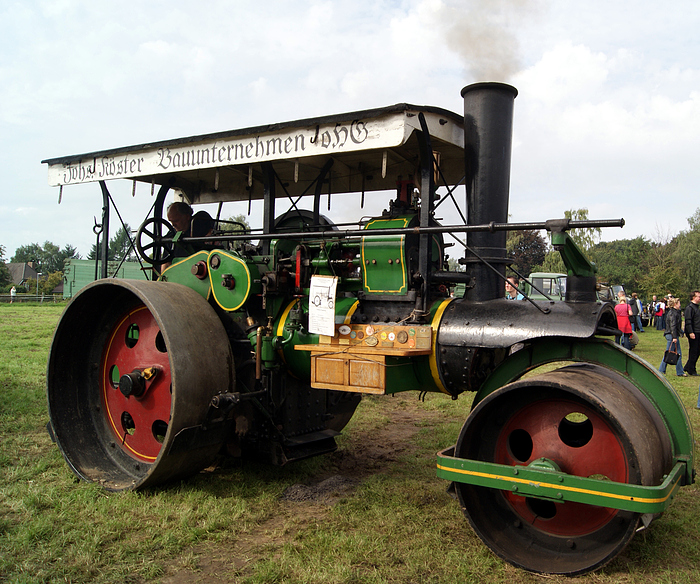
point(488, 130)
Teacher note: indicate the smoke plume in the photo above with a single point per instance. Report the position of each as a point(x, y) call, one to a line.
point(482, 33)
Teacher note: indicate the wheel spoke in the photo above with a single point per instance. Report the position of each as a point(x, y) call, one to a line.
point(148, 230)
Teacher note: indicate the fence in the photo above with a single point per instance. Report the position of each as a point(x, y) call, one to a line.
point(39, 298)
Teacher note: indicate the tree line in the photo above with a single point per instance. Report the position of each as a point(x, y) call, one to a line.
point(641, 265)
point(49, 259)
point(669, 265)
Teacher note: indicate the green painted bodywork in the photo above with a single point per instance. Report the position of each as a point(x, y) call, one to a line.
point(652, 384)
point(402, 373)
point(551, 484)
point(417, 373)
point(290, 331)
point(243, 272)
point(537, 481)
point(384, 258)
point(180, 272)
point(574, 259)
point(427, 374)
point(245, 275)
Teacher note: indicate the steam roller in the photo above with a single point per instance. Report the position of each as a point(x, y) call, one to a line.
point(260, 342)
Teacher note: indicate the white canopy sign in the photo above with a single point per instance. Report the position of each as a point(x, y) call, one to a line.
point(175, 156)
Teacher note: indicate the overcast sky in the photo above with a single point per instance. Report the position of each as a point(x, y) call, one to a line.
point(607, 116)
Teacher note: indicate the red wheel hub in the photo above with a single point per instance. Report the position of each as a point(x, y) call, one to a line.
point(580, 442)
point(139, 423)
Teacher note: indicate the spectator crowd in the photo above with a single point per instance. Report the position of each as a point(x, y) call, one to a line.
point(667, 315)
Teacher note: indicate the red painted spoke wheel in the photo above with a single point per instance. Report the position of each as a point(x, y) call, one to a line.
point(133, 368)
point(139, 423)
point(589, 422)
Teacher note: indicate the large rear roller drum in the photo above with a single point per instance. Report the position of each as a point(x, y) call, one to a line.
point(587, 421)
point(132, 364)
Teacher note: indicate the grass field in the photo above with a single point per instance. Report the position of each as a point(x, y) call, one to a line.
point(385, 517)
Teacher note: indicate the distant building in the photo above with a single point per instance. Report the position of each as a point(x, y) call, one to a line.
point(20, 272)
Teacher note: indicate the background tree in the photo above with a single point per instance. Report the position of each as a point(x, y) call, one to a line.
point(46, 284)
point(625, 262)
point(29, 253)
point(526, 249)
point(585, 238)
point(685, 254)
point(120, 246)
point(552, 263)
point(53, 280)
point(234, 225)
point(453, 265)
point(49, 257)
point(4, 271)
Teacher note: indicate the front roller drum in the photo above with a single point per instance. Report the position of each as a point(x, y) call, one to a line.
point(132, 365)
point(584, 420)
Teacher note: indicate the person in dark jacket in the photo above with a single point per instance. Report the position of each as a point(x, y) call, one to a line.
point(692, 331)
point(673, 334)
point(191, 224)
point(637, 309)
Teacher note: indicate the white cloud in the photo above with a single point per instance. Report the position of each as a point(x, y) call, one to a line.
point(607, 117)
point(259, 86)
point(26, 211)
point(567, 73)
point(54, 8)
point(356, 83)
point(155, 49)
point(614, 132)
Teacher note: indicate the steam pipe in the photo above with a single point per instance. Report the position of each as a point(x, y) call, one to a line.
point(417, 230)
point(488, 129)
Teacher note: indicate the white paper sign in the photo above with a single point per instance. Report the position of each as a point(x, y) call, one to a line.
point(322, 305)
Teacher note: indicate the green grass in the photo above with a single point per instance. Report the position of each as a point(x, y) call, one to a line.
point(398, 525)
